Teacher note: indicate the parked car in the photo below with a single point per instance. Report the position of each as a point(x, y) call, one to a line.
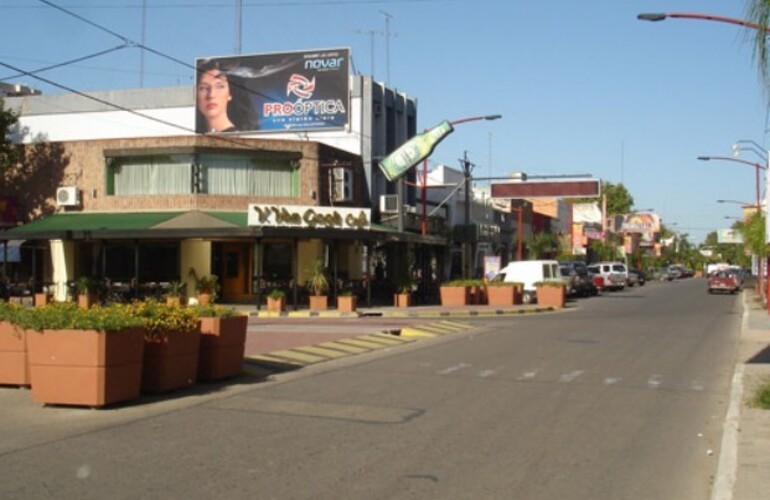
point(530, 272)
point(723, 282)
point(615, 274)
point(641, 277)
point(579, 281)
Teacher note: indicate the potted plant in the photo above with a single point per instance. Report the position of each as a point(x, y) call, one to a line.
point(87, 357)
point(276, 301)
point(171, 345)
point(222, 342)
point(501, 293)
point(174, 293)
point(455, 293)
point(84, 287)
point(403, 296)
point(14, 369)
point(318, 284)
point(551, 293)
point(207, 288)
point(347, 301)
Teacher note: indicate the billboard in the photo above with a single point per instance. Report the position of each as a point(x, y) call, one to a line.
point(276, 92)
point(640, 223)
point(729, 236)
point(552, 189)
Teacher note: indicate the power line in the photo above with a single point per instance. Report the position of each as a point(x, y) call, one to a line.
point(66, 63)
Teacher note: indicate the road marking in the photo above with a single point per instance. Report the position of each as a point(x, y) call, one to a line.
point(528, 375)
point(696, 385)
point(655, 381)
point(455, 368)
point(611, 380)
point(485, 373)
point(569, 377)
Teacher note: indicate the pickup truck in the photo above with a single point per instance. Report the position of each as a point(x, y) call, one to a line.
point(722, 281)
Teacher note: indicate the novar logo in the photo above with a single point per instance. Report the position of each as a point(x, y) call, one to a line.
point(325, 64)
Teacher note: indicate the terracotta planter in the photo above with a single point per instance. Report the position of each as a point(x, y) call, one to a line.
point(223, 342)
point(170, 361)
point(204, 299)
point(276, 305)
point(554, 296)
point(14, 369)
point(85, 367)
point(42, 299)
point(173, 301)
point(454, 295)
point(86, 300)
point(501, 295)
point(347, 303)
point(318, 303)
point(402, 300)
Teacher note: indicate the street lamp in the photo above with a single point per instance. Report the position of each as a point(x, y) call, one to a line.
point(661, 16)
point(757, 168)
point(424, 186)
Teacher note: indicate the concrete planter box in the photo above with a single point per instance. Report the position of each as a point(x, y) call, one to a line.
point(14, 368)
point(455, 296)
point(223, 342)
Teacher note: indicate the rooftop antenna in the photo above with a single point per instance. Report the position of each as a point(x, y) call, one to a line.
point(238, 24)
point(371, 34)
point(388, 17)
point(141, 52)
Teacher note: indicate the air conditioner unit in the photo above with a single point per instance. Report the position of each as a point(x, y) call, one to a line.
point(389, 204)
point(342, 184)
point(67, 196)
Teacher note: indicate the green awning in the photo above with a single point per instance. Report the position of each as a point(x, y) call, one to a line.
point(95, 222)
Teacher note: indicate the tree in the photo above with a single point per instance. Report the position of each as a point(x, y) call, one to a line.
point(619, 200)
point(28, 173)
point(758, 11)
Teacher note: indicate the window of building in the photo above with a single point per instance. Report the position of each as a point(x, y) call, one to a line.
point(241, 175)
point(216, 174)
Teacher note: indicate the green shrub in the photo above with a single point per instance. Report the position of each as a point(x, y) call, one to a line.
point(67, 315)
point(761, 397)
point(214, 311)
point(157, 318)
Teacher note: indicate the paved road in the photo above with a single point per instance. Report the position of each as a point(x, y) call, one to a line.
point(623, 397)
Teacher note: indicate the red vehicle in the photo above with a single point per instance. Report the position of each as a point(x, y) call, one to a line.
point(722, 281)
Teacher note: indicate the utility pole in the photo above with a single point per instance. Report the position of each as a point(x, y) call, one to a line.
point(467, 243)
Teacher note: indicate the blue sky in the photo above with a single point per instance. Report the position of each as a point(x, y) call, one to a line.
point(583, 86)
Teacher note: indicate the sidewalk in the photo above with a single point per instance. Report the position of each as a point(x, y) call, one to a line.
point(744, 462)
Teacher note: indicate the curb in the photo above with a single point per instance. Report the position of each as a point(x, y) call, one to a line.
point(402, 314)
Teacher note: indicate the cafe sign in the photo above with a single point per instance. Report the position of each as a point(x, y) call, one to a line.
point(310, 217)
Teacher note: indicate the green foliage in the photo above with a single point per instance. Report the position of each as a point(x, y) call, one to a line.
point(754, 234)
point(157, 318)
point(213, 311)
point(176, 289)
point(84, 285)
point(761, 397)
point(8, 311)
point(500, 283)
point(318, 281)
point(276, 294)
point(205, 284)
point(67, 315)
point(541, 246)
point(619, 200)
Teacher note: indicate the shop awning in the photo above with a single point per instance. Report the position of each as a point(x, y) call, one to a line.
point(190, 224)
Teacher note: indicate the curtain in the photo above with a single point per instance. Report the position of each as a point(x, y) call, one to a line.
point(151, 175)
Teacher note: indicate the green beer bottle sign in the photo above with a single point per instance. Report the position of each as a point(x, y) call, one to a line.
point(414, 151)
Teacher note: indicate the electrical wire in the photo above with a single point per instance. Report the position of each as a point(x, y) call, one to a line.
point(65, 63)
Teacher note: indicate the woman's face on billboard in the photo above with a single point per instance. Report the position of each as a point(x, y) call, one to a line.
point(213, 94)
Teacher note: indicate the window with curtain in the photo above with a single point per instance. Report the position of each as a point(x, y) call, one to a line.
point(149, 175)
point(241, 175)
point(220, 174)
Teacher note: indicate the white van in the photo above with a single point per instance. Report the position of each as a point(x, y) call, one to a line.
point(530, 272)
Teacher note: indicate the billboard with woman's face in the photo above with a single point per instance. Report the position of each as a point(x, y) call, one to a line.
point(273, 92)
